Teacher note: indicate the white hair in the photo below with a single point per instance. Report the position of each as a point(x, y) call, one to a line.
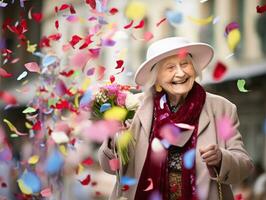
point(154, 73)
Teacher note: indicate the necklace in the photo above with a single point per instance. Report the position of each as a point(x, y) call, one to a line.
point(174, 108)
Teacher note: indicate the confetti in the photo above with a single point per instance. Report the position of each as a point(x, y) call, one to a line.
point(13, 128)
point(80, 59)
point(33, 159)
point(112, 78)
point(150, 187)
point(37, 17)
point(119, 64)
point(201, 21)
point(54, 162)
point(185, 126)
point(136, 10)
point(189, 158)
point(129, 25)
point(233, 39)
point(29, 110)
point(115, 113)
point(7, 98)
point(161, 21)
point(140, 25)
point(113, 11)
point(174, 17)
point(86, 181)
point(22, 75)
point(86, 98)
point(4, 73)
point(3, 4)
point(162, 101)
point(59, 137)
point(29, 183)
point(219, 71)
point(148, 36)
point(157, 146)
point(216, 20)
point(231, 26)
point(32, 67)
point(261, 9)
point(46, 192)
point(114, 164)
point(89, 161)
point(91, 3)
point(31, 47)
point(125, 180)
point(156, 195)
point(104, 107)
point(100, 72)
point(241, 85)
point(225, 128)
point(48, 60)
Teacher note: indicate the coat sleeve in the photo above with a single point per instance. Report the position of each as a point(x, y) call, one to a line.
point(236, 164)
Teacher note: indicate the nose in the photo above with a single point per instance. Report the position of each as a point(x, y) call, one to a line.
point(179, 71)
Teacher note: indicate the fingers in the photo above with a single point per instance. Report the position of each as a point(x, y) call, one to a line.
point(211, 155)
point(208, 148)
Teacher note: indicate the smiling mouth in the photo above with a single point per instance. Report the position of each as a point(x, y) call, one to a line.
point(179, 82)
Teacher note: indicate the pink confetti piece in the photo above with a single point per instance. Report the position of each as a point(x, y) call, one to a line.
point(100, 72)
point(225, 128)
point(7, 98)
point(150, 187)
point(148, 36)
point(185, 126)
point(171, 133)
point(4, 73)
point(80, 59)
point(32, 67)
point(114, 164)
point(46, 192)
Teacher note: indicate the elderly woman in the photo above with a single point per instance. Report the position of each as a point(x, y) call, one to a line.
point(195, 161)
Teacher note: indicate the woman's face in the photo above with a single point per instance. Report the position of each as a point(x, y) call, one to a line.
point(176, 74)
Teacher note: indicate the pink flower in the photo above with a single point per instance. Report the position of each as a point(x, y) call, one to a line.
point(121, 99)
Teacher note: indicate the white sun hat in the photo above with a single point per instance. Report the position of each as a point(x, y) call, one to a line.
point(202, 55)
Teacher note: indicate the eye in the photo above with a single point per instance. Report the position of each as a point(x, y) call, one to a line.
point(184, 63)
point(170, 67)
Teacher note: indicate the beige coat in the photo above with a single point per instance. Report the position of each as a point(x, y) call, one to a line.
point(236, 163)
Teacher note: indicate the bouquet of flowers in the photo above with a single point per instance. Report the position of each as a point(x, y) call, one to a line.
point(116, 102)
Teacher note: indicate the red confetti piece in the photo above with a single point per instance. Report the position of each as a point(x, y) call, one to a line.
point(55, 37)
point(97, 193)
point(129, 25)
point(93, 183)
point(75, 39)
point(161, 21)
point(56, 23)
point(89, 161)
point(7, 97)
point(219, 71)
point(95, 52)
point(56, 9)
point(73, 141)
point(100, 72)
point(87, 42)
point(261, 9)
point(86, 181)
point(64, 6)
point(4, 73)
point(113, 11)
point(112, 78)
point(125, 187)
point(3, 185)
point(121, 70)
point(92, 3)
point(140, 25)
point(72, 9)
point(44, 42)
point(67, 74)
point(119, 64)
point(37, 16)
point(37, 126)
point(63, 104)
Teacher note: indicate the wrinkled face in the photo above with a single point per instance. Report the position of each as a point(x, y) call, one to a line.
point(176, 74)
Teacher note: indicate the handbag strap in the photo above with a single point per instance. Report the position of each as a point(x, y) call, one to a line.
point(219, 185)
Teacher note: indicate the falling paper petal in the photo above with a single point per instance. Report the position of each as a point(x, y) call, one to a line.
point(162, 101)
point(136, 10)
point(33, 159)
point(4, 73)
point(86, 181)
point(105, 106)
point(114, 164)
point(48, 60)
point(31, 181)
point(201, 21)
point(189, 158)
point(225, 128)
point(125, 180)
point(115, 113)
point(86, 98)
point(54, 162)
point(32, 67)
point(150, 187)
point(46, 192)
point(23, 75)
point(219, 71)
point(185, 126)
point(13, 128)
point(156, 145)
point(140, 25)
point(174, 17)
point(148, 36)
point(60, 137)
point(241, 85)
point(7, 98)
point(29, 110)
point(233, 39)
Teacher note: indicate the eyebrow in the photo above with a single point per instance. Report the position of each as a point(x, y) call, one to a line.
point(156, 63)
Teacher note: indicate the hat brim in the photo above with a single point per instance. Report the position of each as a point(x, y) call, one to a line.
point(202, 55)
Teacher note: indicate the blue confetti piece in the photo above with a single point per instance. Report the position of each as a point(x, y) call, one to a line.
point(165, 143)
point(105, 106)
point(174, 17)
point(48, 60)
point(189, 158)
point(31, 180)
point(54, 163)
point(39, 54)
point(86, 98)
point(125, 180)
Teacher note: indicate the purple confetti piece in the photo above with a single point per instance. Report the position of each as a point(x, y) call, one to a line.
point(3, 4)
point(21, 3)
point(90, 71)
point(108, 42)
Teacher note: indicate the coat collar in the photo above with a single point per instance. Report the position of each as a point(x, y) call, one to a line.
point(145, 115)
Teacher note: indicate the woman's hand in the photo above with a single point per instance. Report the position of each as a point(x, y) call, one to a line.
point(211, 155)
